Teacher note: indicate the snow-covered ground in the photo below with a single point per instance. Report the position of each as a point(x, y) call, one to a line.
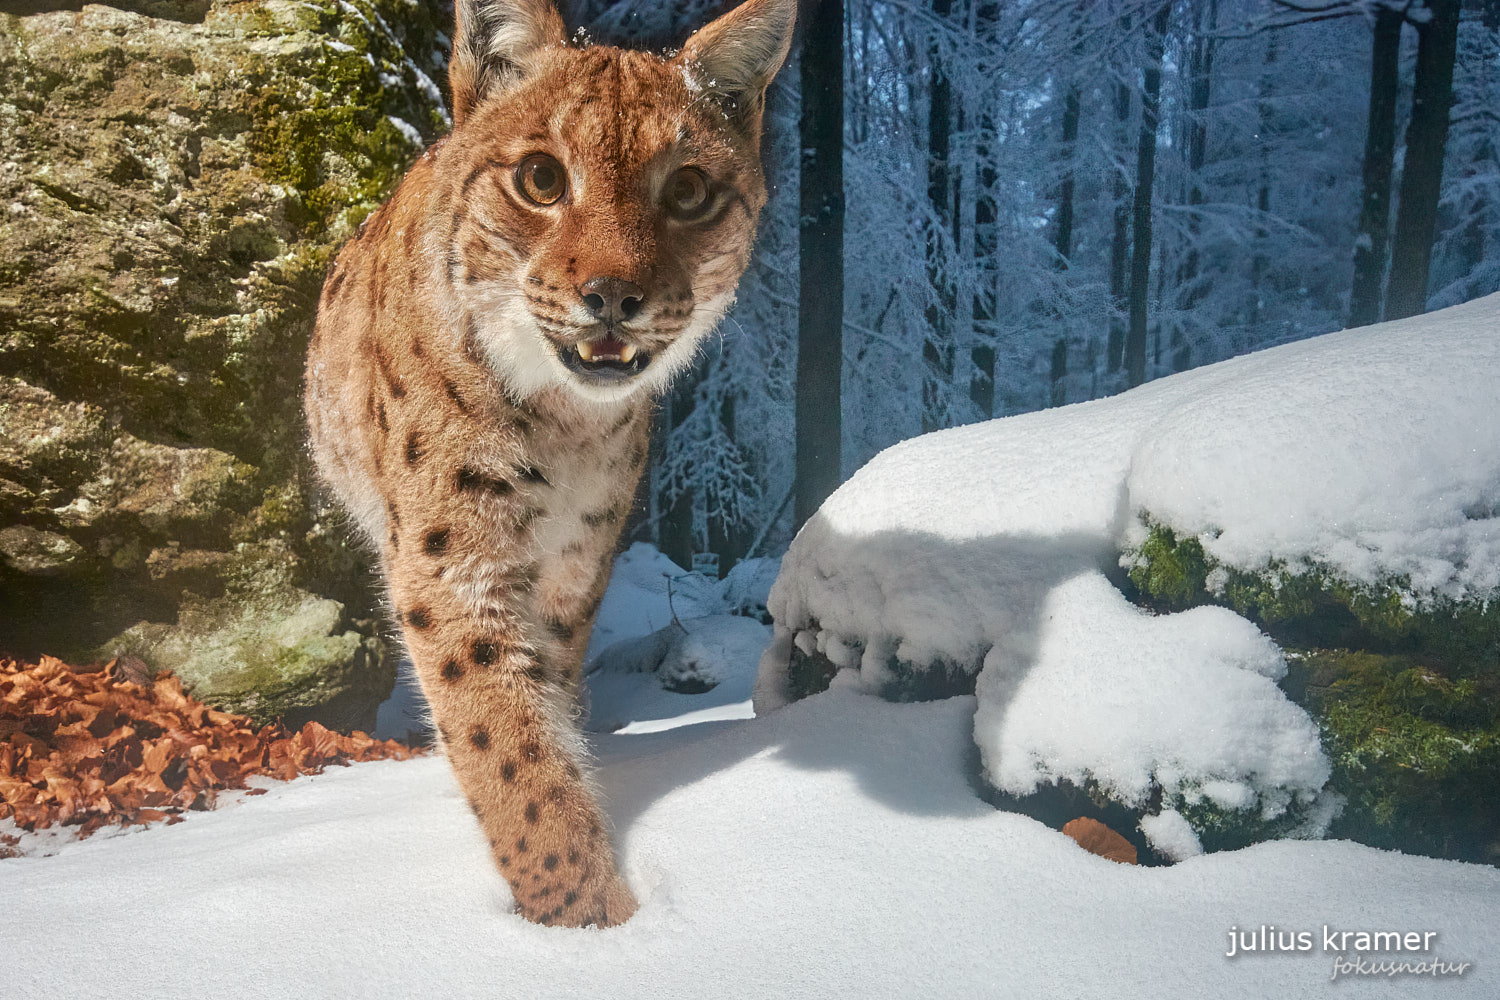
point(1372, 454)
point(837, 847)
point(833, 849)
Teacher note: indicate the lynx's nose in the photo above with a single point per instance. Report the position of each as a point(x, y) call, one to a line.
point(613, 300)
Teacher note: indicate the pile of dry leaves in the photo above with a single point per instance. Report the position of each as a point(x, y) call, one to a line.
point(90, 747)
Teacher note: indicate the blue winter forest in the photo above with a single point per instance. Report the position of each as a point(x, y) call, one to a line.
point(1072, 565)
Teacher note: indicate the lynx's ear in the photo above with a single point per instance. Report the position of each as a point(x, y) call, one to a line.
point(738, 54)
point(494, 40)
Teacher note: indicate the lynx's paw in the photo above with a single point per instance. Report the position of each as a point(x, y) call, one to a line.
point(557, 902)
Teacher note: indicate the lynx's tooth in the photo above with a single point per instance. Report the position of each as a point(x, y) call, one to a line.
point(627, 353)
point(585, 350)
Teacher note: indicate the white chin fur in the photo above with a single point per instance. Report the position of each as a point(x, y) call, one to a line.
point(527, 364)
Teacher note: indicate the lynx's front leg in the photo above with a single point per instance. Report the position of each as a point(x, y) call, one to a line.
point(501, 691)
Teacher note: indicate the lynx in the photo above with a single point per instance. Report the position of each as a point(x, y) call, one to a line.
point(480, 379)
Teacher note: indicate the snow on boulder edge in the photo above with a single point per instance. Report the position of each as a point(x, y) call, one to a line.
point(1371, 456)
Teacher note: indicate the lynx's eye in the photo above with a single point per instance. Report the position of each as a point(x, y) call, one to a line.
point(541, 179)
point(686, 196)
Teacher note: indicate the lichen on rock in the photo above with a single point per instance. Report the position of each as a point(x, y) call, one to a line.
point(288, 656)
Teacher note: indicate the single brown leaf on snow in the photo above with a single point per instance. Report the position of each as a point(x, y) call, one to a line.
point(1094, 836)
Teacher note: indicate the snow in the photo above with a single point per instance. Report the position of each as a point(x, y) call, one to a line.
point(1187, 703)
point(425, 84)
point(838, 847)
point(406, 128)
point(1373, 453)
point(670, 648)
point(1170, 833)
point(835, 848)
point(647, 590)
point(698, 670)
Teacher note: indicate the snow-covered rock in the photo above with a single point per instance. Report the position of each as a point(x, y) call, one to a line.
point(1186, 704)
point(647, 591)
point(1372, 455)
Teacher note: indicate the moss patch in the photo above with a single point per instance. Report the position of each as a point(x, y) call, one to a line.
point(1415, 753)
point(1313, 607)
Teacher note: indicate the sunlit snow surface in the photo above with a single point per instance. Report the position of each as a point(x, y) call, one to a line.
point(833, 849)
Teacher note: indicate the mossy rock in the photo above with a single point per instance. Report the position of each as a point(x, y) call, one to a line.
point(1415, 754)
point(178, 177)
point(1405, 688)
point(289, 660)
point(1314, 607)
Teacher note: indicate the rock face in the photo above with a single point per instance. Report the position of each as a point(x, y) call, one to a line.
point(174, 178)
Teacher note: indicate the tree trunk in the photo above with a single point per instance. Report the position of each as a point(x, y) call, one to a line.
point(820, 316)
point(1119, 248)
point(1058, 394)
point(1063, 241)
point(1200, 70)
point(982, 351)
point(937, 349)
point(1380, 151)
point(1145, 176)
point(1422, 170)
point(1259, 261)
point(1063, 237)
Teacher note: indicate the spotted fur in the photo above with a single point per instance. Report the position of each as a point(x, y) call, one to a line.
point(492, 477)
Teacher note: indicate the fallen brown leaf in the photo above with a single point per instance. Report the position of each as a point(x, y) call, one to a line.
point(1094, 836)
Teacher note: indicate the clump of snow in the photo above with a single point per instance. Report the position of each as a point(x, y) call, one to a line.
point(832, 849)
point(1171, 835)
point(687, 656)
point(406, 128)
point(1373, 453)
point(425, 84)
point(1184, 703)
point(647, 591)
point(748, 585)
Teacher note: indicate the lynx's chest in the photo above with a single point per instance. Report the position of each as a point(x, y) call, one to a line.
point(584, 469)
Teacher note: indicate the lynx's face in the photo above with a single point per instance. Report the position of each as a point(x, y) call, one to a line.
point(606, 203)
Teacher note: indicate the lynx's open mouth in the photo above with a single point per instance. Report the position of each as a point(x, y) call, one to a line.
point(604, 359)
